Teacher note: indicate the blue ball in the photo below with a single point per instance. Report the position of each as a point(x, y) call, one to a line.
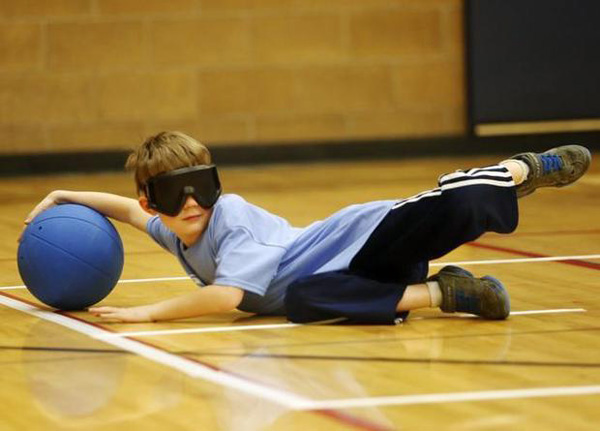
point(70, 257)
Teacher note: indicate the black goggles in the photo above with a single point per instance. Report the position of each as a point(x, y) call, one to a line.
point(168, 192)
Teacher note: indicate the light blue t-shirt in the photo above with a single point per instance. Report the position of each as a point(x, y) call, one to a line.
point(247, 247)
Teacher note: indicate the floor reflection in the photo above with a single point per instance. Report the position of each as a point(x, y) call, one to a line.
point(75, 380)
point(253, 414)
point(338, 371)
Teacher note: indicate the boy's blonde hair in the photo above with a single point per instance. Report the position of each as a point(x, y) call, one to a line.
point(165, 152)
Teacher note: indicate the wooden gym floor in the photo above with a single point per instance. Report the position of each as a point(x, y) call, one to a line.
point(539, 370)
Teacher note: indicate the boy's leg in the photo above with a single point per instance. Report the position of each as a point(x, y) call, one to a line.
point(466, 205)
point(359, 300)
point(431, 224)
point(346, 296)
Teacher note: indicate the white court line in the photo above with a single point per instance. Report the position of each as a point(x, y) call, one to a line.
point(201, 330)
point(561, 391)
point(466, 262)
point(148, 280)
point(293, 325)
point(558, 310)
point(520, 260)
point(528, 312)
point(182, 364)
point(137, 280)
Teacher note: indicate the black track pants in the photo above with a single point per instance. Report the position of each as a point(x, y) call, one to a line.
point(418, 229)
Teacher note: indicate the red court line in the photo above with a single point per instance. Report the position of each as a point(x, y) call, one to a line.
point(336, 415)
point(351, 420)
point(574, 262)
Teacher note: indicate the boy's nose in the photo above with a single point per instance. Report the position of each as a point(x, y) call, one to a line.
point(190, 202)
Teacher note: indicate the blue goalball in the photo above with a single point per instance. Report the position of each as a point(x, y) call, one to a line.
point(70, 257)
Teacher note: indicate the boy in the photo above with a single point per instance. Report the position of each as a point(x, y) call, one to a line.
point(364, 264)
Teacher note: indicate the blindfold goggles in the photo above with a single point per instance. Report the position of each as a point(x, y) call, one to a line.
point(168, 192)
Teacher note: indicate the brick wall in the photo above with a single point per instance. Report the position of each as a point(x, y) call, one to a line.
point(102, 74)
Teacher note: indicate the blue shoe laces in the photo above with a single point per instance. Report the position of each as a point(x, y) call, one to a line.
point(551, 163)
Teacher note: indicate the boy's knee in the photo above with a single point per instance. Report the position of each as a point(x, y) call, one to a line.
point(305, 299)
point(293, 295)
point(297, 302)
point(465, 202)
point(492, 207)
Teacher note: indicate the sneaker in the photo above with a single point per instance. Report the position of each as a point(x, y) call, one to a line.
point(557, 167)
point(461, 291)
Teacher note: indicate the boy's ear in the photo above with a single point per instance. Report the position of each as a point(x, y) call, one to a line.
point(143, 201)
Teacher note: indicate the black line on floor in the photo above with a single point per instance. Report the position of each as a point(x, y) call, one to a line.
point(431, 361)
point(90, 354)
point(394, 339)
point(64, 349)
point(245, 354)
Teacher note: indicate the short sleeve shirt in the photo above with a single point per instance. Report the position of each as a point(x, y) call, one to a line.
point(247, 247)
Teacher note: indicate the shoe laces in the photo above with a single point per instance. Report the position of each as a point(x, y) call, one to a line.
point(551, 163)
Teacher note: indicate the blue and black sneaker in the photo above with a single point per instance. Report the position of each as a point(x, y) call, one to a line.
point(557, 167)
point(462, 292)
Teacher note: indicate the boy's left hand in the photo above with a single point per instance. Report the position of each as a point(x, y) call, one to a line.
point(119, 314)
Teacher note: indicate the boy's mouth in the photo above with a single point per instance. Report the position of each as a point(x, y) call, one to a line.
point(192, 217)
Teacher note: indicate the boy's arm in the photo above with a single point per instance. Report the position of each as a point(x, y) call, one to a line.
point(207, 300)
point(120, 208)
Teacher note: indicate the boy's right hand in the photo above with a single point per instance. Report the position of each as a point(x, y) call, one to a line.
point(48, 202)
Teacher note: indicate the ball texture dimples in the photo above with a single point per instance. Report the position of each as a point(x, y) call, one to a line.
point(70, 257)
